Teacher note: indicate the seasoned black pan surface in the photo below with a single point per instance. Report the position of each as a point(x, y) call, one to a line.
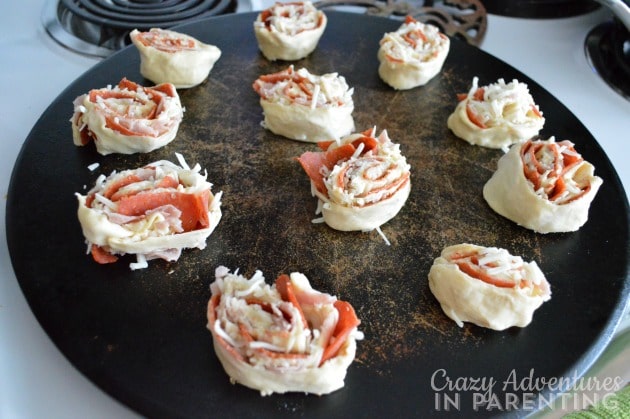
point(141, 335)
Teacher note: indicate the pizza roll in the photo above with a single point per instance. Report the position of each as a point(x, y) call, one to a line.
point(361, 182)
point(289, 31)
point(304, 106)
point(412, 55)
point(171, 57)
point(152, 212)
point(285, 337)
point(545, 186)
point(127, 118)
point(497, 115)
point(487, 286)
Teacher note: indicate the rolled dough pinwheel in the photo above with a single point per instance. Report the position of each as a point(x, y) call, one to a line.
point(289, 31)
point(127, 118)
point(285, 337)
point(497, 115)
point(167, 56)
point(543, 185)
point(487, 286)
point(412, 55)
point(151, 212)
point(361, 182)
point(304, 106)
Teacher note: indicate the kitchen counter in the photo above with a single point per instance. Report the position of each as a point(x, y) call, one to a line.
point(35, 379)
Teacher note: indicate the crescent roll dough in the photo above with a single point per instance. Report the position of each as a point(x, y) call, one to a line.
point(286, 337)
point(152, 212)
point(304, 106)
point(127, 118)
point(497, 115)
point(361, 182)
point(412, 55)
point(171, 57)
point(289, 31)
point(545, 186)
point(487, 286)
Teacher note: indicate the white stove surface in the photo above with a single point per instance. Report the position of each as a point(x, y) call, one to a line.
point(36, 380)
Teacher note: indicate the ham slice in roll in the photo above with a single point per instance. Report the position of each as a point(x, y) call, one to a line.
point(304, 106)
point(412, 55)
point(127, 118)
point(487, 286)
point(171, 57)
point(280, 338)
point(151, 212)
point(543, 185)
point(289, 31)
point(361, 182)
point(497, 115)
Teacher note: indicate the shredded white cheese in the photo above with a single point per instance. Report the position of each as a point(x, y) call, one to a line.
point(502, 103)
point(291, 18)
point(303, 88)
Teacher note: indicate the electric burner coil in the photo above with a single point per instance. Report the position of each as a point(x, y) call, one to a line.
point(101, 27)
point(144, 14)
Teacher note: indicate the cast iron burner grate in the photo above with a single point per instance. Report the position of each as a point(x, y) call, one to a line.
point(463, 19)
point(607, 48)
point(540, 9)
point(101, 27)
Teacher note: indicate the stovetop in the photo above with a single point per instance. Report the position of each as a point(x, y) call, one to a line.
point(100, 28)
point(35, 379)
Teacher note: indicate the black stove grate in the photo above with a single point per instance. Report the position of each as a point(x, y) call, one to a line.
point(101, 27)
point(607, 49)
point(540, 9)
